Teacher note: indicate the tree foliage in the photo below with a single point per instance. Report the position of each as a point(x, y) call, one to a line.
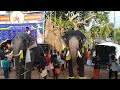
point(118, 35)
point(66, 20)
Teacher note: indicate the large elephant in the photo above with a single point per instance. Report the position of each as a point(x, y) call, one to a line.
point(22, 41)
point(75, 40)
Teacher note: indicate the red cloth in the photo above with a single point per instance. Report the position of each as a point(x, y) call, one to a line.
point(47, 60)
point(96, 73)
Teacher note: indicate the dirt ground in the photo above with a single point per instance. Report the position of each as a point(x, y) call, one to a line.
point(63, 75)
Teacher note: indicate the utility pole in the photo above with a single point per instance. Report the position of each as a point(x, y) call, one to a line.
point(114, 29)
point(55, 18)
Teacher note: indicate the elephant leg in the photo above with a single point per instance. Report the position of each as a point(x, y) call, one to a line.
point(22, 69)
point(28, 70)
point(70, 66)
point(32, 60)
point(81, 67)
point(17, 66)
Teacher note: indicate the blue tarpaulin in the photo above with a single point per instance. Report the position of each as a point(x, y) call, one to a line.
point(8, 30)
point(14, 29)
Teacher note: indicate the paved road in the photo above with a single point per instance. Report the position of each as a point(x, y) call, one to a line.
point(63, 75)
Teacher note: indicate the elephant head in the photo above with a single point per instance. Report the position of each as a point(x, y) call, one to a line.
point(21, 41)
point(74, 40)
point(77, 33)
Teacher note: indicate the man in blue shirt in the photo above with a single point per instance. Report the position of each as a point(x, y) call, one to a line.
point(6, 64)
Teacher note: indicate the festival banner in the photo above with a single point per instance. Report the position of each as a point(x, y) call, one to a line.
point(17, 22)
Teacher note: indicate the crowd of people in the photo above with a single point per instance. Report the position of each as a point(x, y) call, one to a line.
point(59, 61)
point(54, 61)
point(7, 60)
point(95, 60)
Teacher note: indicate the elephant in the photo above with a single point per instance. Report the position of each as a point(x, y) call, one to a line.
point(22, 41)
point(75, 40)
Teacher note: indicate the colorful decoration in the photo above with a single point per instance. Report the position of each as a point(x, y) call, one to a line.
point(3, 42)
point(34, 28)
point(6, 28)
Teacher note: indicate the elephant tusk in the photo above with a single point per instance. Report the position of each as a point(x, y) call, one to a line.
point(18, 54)
point(11, 52)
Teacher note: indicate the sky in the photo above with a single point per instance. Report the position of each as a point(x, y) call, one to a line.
point(111, 18)
point(117, 18)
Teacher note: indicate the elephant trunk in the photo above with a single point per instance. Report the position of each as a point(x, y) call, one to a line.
point(73, 46)
point(16, 47)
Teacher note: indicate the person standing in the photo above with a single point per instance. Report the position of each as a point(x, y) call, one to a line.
point(55, 52)
point(2, 55)
point(42, 65)
point(56, 66)
point(48, 62)
point(93, 54)
point(59, 57)
point(62, 60)
point(6, 66)
point(88, 55)
point(27, 30)
point(8, 58)
point(114, 67)
point(96, 71)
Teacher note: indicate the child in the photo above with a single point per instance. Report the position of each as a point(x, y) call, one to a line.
point(62, 61)
point(88, 55)
point(56, 65)
point(6, 65)
point(96, 71)
point(42, 66)
point(48, 62)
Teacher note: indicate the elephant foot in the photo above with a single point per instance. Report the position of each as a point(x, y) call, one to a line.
point(82, 78)
point(70, 77)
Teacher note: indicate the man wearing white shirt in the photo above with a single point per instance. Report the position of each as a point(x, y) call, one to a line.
point(27, 30)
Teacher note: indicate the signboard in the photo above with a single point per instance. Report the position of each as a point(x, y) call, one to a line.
point(17, 17)
point(17, 22)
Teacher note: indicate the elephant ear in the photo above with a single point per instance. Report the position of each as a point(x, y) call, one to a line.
point(67, 36)
point(81, 37)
